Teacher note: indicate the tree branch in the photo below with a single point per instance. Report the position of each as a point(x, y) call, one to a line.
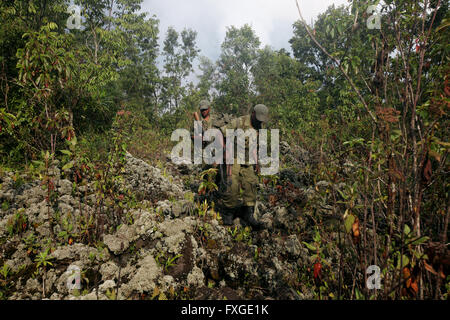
point(338, 63)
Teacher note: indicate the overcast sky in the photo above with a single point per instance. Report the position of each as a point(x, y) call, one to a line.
point(270, 19)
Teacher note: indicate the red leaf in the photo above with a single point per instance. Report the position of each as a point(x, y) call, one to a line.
point(427, 171)
point(317, 269)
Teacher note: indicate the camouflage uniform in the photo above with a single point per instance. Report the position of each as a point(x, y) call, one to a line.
point(243, 174)
point(211, 122)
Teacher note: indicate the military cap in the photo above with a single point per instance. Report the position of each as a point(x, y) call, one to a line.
point(262, 112)
point(204, 104)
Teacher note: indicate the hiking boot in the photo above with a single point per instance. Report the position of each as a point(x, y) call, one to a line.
point(227, 216)
point(250, 220)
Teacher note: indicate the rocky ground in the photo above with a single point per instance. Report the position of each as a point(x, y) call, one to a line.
point(172, 248)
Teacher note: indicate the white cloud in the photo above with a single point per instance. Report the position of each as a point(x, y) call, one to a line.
point(271, 19)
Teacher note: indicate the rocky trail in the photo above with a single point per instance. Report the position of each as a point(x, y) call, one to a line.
point(172, 248)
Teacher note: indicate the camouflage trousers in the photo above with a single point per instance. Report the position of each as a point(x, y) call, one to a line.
point(242, 177)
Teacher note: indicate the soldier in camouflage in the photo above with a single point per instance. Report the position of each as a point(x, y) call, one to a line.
point(208, 118)
point(243, 174)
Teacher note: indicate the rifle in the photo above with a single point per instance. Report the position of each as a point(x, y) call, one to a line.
point(225, 178)
point(197, 118)
point(225, 169)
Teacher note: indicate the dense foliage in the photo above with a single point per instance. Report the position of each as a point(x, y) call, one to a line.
point(371, 105)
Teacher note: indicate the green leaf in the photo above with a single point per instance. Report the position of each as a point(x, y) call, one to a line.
point(420, 240)
point(420, 256)
point(67, 152)
point(68, 166)
point(309, 246)
point(37, 163)
point(406, 230)
point(404, 260)
point(359, 295)
point(62, 234)
point(73, 141)
point(348, 223)
point(442, 143)
point(201, 186)
point(395, 134)
point(342, 194)
point(317, 237)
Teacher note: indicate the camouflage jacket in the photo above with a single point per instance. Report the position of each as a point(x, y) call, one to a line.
point(243, 123)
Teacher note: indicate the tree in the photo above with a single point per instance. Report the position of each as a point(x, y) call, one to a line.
point(87, 73)
point(118, 49)
point(390, 78)
point(342, 37)
point(279, 83)
point(235, 84)
point(138, 82)
point(18, 18)
point(178, 65)
point(207, 78)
